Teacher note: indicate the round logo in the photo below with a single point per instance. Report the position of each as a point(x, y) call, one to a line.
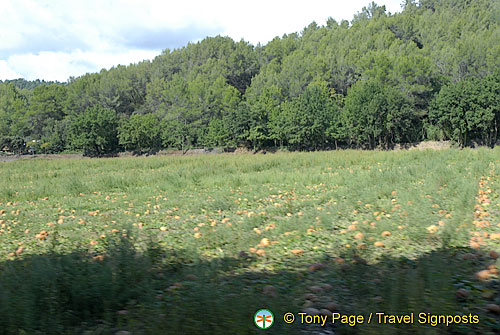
point(263, 319)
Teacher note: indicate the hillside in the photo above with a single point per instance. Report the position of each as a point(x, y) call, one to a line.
point(431, 72)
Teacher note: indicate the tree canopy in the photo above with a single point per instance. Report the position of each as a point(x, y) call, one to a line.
point(429, 72)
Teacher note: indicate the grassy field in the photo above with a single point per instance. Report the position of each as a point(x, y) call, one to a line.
point(196, 245)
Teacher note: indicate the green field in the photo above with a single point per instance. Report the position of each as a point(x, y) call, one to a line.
point(196, 245)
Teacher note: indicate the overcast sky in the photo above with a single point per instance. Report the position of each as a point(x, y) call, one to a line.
point(56, 39)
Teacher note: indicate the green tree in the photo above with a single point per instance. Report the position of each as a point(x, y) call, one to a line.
point(55, 138)
point(260, 108)
point(376, 114)
point(309, 118)
point(94, 131)
point(217, 134)
point(140, 133)
point(15, 144)
point(46, 106)
point(469, 110)
point(13, 106)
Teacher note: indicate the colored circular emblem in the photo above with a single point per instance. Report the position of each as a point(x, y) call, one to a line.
point(263, 319)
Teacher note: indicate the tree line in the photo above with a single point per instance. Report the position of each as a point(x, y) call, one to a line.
point(431, 72)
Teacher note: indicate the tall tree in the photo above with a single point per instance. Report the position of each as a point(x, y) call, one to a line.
point(47, 105)
point(94, 131)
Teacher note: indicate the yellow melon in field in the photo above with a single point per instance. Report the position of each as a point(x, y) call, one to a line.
point(359, 236)
point(432, 229)
point(492, 308)
point(482, 275)
point(260, 252)
point(462, 294)
point(297, 251)
point(469, 256)
point(361, 246)
point(358, 259)
point(386, 233)
point(495, 236)
point(19, 250)
point(264, 242)
point(493, 254)
point(270, 290)
point(98, 258)
point(331, 306)
point(316, 267)
point(316, 289)
point(339, 260)
point(176, 285)
point(42, 235)
point(379, 244)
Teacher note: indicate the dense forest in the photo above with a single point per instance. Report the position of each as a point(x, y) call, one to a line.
point(431, 72)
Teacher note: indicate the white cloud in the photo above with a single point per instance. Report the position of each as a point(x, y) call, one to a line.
point(61, 65)
point(55, 39)
point(6, 72)
point(264, 19)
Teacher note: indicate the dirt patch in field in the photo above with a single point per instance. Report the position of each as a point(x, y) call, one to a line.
point(434, 145)
point(11, 158)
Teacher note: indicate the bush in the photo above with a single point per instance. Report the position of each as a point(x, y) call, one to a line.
point(140, 133)
point(94, 131)
point(13, 144)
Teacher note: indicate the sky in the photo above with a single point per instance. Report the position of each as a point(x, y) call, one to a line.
point(58, 39)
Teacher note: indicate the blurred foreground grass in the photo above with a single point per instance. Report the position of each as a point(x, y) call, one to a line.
point(196, 245)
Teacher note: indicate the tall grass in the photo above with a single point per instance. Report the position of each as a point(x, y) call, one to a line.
point(164, 244)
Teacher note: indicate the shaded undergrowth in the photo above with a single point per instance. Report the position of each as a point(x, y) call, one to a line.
point(154, 290)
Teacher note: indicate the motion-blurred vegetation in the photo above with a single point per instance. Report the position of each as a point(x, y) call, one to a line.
point(197, 244)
